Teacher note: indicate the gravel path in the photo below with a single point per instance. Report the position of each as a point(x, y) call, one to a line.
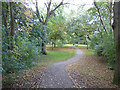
point(55, 76)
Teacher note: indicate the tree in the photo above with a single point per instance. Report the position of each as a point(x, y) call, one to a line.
point(57, 26)
point(12, 21)
point(18, 49)
point(44, 21)
point(78, 28)
point(116, 28)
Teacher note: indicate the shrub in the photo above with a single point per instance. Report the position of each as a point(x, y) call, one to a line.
point(22, 55)
point(109, 50)
point(104, 46)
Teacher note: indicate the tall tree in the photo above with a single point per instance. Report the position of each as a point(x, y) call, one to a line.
point(45, 22)
point(116, 28)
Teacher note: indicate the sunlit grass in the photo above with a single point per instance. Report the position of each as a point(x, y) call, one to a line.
point(82, 46)
point(67, 45)
point(85, 50)
point(56, 55)
point(88, 52)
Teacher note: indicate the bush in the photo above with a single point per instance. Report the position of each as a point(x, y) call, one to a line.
point(104, 46)
point(22, 55)
point(109, 50)
point(99, 49)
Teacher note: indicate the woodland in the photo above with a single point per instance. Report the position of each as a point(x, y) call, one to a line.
point(33, 40)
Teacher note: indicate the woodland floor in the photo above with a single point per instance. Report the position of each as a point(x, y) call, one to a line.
point(91, 72)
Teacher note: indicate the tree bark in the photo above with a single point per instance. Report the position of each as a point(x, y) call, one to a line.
point(116, 28)
point(12, 21)
point(44, 42)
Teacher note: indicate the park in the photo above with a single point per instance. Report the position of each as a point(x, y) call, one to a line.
point(61, 44)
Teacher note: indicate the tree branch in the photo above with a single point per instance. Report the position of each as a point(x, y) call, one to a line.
point(56, 7)
point(100, 16)
point(37, 12)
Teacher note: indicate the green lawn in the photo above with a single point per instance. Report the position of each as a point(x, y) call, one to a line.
point(81, 46)
point(56, 55)
point(86, 51)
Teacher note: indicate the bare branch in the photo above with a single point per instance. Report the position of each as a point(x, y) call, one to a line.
point(56, 7)
point(45, 5)
point(37, 12)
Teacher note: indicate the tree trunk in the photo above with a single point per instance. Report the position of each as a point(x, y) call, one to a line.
point(52, 45)
point(44, 42)
point(11, 24)
point(116, 28)
point(87, 45)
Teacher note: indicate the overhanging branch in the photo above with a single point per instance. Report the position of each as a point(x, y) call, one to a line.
point(98, 9)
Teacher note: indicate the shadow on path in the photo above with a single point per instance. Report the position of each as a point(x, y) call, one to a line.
point(55, 76)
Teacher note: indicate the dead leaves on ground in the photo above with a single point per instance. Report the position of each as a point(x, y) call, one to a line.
point(28, 79)
point(91, 72)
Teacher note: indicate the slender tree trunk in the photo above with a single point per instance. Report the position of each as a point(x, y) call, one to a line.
point(87, 45)
point(11, 24)
point(116, 28)
point(52, 45)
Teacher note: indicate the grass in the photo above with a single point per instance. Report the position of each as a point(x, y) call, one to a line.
point(82, 46)
point(57, 55)
point(86, 51)
point(31, 77)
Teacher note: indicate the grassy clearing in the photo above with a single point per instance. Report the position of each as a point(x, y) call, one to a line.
point(30, 78)
point(57, 55)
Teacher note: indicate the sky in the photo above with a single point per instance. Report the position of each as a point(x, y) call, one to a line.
point(77, 3)
point(74, 4)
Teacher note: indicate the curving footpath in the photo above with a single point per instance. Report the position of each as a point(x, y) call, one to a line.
point(55, 76)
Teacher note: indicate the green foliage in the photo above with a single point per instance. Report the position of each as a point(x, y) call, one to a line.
point(109, 50)
point(57, 26)
point(98, 49)
point(9, 79)
point(26, 41)
point(59, 43)
point(104, 46)
point(21, 57)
